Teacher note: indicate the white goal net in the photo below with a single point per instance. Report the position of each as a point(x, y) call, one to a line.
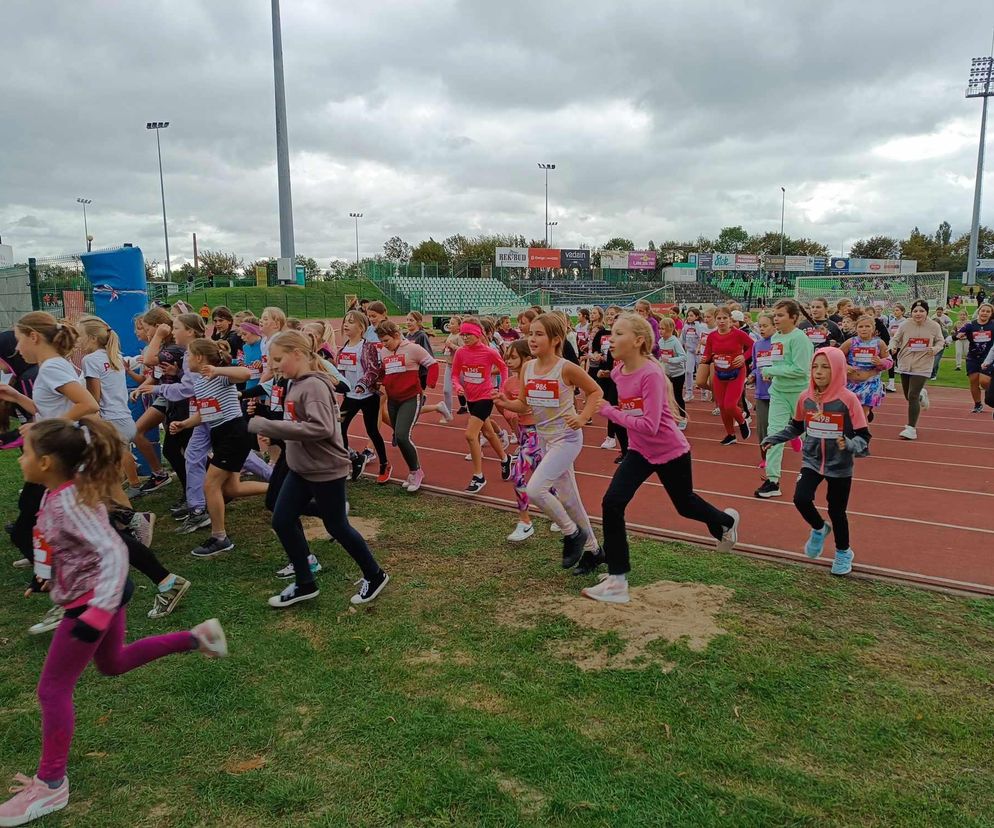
point(880, 290)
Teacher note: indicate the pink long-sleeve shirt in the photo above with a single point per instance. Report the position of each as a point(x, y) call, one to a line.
point(644, 409)
point(472, 368)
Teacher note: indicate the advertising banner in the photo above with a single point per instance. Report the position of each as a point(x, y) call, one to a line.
point(777, 263)
point(642, 260)
point(692, 259)
point(840, 265)
point(575, 258)
point(723, 261)
point(511, 257)
point(817, 263)
point(679, 274)
point(614, 259)
point(261, 276)
point(746, 261)
point(796, 264)
point(705, 261)
point(6, 255)
point(542, 257)
point(984, 265)
point(909, 265)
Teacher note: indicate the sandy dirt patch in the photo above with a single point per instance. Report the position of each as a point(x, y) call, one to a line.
point(367, 527)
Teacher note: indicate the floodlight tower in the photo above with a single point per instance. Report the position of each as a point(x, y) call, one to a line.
point(980, 85)
point(157, 126)
point(356, 216)
point(546, 167)
point(550, 225)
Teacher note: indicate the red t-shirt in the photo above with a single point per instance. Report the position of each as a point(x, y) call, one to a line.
point(721, 348)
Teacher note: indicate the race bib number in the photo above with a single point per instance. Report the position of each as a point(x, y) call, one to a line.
point(290, 413)
point(722, 362)
point(816, 335)
point(776, 352)
point(918, 343)
point(666, 352)
point(605, 344)
point(542, 393)
point(157, 372)
point(473, 374)
point(276, 398)
point(632, 405)
point(763, 359)
point(348, 360)
point(863, 355)
point(209, 408)
point(824, 425)
point(254, 373)
point(42, 554)
point(395, 364)
point(981, 337)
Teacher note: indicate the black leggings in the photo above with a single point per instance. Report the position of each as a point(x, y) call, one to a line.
point(143, 559)
point(370, 408)
point(678, 392)
point(838, 501)
point(295, 495)
point(28, 504)
point(677, 479)
point(912, 387)
point(620, 433)
point(173, 449)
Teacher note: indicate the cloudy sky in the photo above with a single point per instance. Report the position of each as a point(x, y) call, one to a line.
point(665, 119)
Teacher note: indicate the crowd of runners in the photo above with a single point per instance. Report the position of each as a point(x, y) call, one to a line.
point(262, 407)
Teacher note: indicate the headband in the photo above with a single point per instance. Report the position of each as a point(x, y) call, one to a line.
point(471, 328)
point(248, 327)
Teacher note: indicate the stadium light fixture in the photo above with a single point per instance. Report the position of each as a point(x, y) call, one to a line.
point(356, 216)
point(551, 224)
point(980, 85)
point(86, 231)
point(783, 204)
point(157, 126)
point(546, 167)
point(282, 142)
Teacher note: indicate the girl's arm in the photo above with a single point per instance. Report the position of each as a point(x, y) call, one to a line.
point(654, 387)
point(235, 373)
point(93, 386)
point(371, 361)
point(11, 395)
point(318, 425)
point(177, 426)
point(518, 406)
point(576, 376)
point(426, 360)
point(501, 366)
point(150, 358)
point(680, 357)
point(82, 400)
point(794, 429)
point(794, 365)
point(178, 391)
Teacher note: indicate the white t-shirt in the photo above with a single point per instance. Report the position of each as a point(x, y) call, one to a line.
point(113, 386)
point(53, 374)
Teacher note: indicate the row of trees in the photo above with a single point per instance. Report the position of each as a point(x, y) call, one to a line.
point(937, 251)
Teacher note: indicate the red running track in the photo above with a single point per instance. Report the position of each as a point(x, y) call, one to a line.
point(920, 512)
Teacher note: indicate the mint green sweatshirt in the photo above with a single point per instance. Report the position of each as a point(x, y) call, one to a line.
point(791, 373)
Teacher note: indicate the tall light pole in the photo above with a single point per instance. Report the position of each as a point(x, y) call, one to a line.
point(356, 216)
point(980, 85)
point(783, 204)
point(546, 167)
point(159, 125)
point(550, 225)
point(282, 143)
point(86, 231)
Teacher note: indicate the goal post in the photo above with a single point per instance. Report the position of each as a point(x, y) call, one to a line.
point(875, 289)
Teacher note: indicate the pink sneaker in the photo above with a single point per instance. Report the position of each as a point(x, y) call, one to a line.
point(32, 799)
point(762, 464)
point(795, 444)
point(415, 480)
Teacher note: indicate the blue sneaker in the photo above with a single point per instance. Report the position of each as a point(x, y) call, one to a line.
point(816, 542)
point(842, 565)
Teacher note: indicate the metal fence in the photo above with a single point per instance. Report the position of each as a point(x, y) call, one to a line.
point(15, 295)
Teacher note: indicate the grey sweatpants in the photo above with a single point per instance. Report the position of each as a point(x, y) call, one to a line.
point(403, 416)
point(762, 414)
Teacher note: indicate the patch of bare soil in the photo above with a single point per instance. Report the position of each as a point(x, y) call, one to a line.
point(304, 628)
point(427, 657)
point(529, 800)
point(367, 527)
point(664, 610)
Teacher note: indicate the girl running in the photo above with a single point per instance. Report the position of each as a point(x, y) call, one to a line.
point(472, 369)
point(547, 387)
point(978, 336)
point(644, 309)
point(219, 409)
point(961, 345)
point(788, 373)
point(916, 343)
point(657, 447)
point(867, 357)
point(359, 362)
point(726, 350)
point(452, 344)
point(690, 336)
point(762, 352)
point(821, 330)
point(400, 361)
point(156, 326)
point(416, 334)
point(600, 363)
point(674, 359)
point(77, 464)
point(318, 464)
point(529, 450)
point(894, 322)
point(831, 419)
point(582, 331)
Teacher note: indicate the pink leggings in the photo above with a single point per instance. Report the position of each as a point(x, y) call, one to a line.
point(727, 394)
point(66, 660)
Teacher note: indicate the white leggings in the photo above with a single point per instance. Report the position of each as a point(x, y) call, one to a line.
point(555, 471)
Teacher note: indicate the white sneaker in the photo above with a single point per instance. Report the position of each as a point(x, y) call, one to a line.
point(443, 409)
point(716, 412)
point(909, 433)
point(923, 399)
point(613, 589)
point(143, 527)
point(49, 622)
point(514, 439)
point(890, 386)
point(610, 443)
point(21, 563)
point(521, 532)
point(730, 537)
point(211, 638)
point(554, 527)
point(467, 457)
point(505, 440)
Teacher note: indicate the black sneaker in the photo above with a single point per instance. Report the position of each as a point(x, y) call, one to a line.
point(744, 430)
point(194, 520)
point(359, 462)
point(730, 439)
point(368, 590)
point(180, 509)
point(573, 548)
point(155, 482)
point(869, 417)
point(505, 467)
point(768, 489)
point(590, 562)
point(618, 459)
point(978, 409)
point(476, 484)
point(294, 594)
point(213, 546)
point(462, 410)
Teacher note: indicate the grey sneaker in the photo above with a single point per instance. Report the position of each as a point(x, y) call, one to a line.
point(287, 571)
point(213, 546)
point(132, 492)
point(49, 622)
point(197, 519)
point(143, 527)
point(165, 602)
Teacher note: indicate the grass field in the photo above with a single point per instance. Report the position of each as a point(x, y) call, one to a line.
point(316, 300)
point(480, 690)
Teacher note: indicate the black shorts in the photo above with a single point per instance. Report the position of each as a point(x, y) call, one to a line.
point(973, 365)
point(231, 444)
point(161, 405)
point(481, 409)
